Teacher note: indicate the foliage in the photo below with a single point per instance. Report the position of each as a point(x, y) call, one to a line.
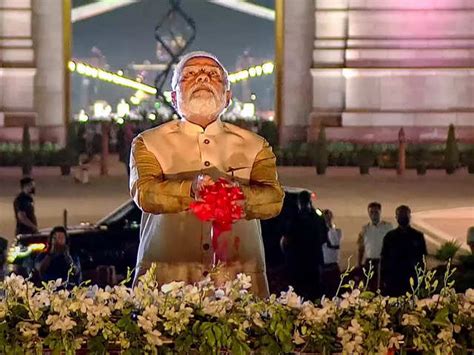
point(321, 154)
point(269, 131)
point(451, 157)
point(447, 251)
point(209, 318)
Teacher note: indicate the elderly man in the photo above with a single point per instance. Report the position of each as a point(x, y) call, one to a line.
point(171, 163)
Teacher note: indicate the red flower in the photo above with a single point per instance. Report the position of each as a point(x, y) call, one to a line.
point(219, 204)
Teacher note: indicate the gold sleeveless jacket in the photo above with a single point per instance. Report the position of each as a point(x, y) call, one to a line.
point(164, 160)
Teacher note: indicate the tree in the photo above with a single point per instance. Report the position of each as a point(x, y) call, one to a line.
point(451, 154)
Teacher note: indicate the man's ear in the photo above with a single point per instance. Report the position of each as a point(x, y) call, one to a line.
point(173, 99)
point(228, 97)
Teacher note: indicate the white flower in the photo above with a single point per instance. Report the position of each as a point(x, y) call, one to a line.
point(297, 338)
point(470, 295)
point(445, 335)
point(145, 324)
point(394, 341)
point(410, 319)
point(290, 298)
point(3, 309)
point(28, 330)
point(216, 308)
point(244, 281)
point(177, 320)
point(172, 286)
point(154, 338)
point(63, 324)
point(191, 295)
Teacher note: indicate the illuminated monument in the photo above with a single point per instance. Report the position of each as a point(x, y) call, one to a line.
point(374, 66)
point(33, 78)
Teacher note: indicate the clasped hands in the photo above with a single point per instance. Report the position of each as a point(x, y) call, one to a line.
point(202, 180)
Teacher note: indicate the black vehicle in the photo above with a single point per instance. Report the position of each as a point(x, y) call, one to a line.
point(113, 242)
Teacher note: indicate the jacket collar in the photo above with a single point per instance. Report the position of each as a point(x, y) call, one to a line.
point(191, 128)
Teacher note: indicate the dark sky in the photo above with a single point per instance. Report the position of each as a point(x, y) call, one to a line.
point(126, 34)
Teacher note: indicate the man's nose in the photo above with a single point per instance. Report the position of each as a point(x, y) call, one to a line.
point(203, 77)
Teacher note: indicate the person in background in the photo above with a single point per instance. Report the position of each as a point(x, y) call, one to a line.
point(24, 208)
point(303, 249)
point(57, 262)
point(470, 238)
point(403, 249)
point(370, 243)
point(331, 272)
point(3, 257)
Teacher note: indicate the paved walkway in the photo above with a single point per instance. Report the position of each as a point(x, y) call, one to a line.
point(342, 190)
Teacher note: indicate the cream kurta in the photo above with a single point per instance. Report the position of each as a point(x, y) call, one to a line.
point(164, 161)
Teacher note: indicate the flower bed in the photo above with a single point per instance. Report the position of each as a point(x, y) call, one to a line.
point(176, 318)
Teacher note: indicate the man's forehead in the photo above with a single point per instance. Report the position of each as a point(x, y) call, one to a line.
point(201, 61)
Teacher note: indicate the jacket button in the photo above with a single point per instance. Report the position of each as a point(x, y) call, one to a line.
point(206, 141)
point(205, 273)
point(205, 246)
point(206, 163)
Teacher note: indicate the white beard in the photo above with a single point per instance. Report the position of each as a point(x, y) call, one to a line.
point(202, 106)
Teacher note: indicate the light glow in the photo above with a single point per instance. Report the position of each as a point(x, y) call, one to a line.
point(107, 76)
point(19, 252)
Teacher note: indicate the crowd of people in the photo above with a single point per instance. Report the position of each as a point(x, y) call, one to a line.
point(387, 256)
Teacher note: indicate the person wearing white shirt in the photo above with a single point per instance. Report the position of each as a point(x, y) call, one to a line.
point(370, 242)
point(331, 248)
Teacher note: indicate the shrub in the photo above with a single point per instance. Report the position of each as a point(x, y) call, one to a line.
point(365, 160)
point(451, 156)
point(468, 160)
point(447, 251)
point(421, 156)
point(269, 131)
point(321, 152)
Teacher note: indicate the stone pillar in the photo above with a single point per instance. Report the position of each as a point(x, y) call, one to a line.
point(17, 70)
point(50, 39)
point(296, 88)
point(382, 64)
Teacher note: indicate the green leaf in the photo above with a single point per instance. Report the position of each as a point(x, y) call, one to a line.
point(441, 317)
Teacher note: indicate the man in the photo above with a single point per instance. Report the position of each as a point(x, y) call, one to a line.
point(302, 246)
point(331, 271)
point(403, 249)
point(170, 165)
point(24, 208)
point(370, 242)
point(57, 262)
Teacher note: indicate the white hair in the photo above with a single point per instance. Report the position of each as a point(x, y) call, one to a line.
point(179, 67)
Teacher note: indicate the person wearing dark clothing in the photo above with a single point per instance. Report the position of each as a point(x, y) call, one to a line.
point(3, 257)
point(57, 262)
point(24, 208)
point(403, 248)
point(303, 249)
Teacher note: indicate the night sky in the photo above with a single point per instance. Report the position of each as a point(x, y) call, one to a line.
point(127, 35)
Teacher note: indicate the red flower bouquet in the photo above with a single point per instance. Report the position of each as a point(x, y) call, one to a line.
point(219, 203)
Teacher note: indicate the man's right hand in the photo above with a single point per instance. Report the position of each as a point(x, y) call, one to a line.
point(198, 184)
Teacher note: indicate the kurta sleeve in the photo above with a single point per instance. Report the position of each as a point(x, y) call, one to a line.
point(148, 187)
point(264, 194)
